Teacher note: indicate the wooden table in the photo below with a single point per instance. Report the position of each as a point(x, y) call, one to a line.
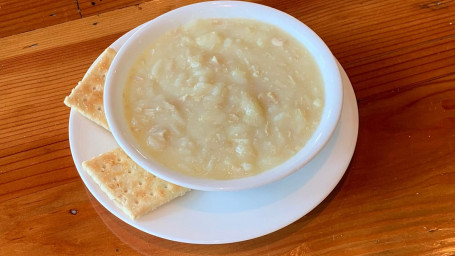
point(396, 198)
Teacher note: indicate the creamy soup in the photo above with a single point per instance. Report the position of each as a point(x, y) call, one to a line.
point(224, 98)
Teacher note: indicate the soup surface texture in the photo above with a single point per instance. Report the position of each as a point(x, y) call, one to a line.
point(224, 98)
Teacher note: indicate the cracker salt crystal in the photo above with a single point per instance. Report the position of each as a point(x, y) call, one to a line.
point(87, 96)
point(132, 188)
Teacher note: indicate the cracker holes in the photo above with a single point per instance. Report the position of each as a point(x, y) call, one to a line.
point(140, 183)
point(136, 201)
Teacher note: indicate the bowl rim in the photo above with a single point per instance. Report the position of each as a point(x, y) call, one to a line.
point(221, 9)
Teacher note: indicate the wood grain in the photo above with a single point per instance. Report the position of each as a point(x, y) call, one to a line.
point(27, 15)
point(396, 197)
point(22, 16)
point(93, 7)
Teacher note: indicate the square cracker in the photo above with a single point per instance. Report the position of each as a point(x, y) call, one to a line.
point(132, 188)
point(87, 96)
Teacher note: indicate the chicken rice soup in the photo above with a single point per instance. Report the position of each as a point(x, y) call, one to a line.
point(224, 98)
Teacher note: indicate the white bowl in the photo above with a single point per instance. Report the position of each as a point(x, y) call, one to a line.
point(135, 45)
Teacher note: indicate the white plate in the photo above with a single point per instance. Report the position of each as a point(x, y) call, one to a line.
point(225, 217)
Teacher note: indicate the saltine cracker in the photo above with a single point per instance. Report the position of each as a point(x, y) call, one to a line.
point(87, 96)
point(132, 188)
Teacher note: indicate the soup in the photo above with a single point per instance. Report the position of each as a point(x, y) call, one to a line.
point(224, 98)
